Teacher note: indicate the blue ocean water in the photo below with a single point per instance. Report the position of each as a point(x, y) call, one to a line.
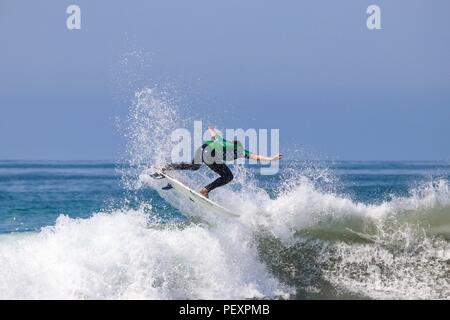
point(319, 230)
point(34, 193)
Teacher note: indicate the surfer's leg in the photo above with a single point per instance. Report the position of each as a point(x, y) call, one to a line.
point(181, 166)
point(195, 164)
point(225, 176)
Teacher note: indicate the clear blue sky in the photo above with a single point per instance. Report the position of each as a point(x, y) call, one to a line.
point(310, 68)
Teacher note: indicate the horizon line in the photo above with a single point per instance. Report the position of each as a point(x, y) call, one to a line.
point(118, 161)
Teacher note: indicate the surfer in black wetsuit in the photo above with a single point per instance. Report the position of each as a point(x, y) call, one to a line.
point(214, 153)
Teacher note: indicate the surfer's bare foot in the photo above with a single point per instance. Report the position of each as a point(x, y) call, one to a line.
point(204, 192)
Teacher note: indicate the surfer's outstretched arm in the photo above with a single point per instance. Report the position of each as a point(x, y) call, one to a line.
point(264, 158)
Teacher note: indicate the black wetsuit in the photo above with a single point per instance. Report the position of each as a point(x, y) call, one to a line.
point(209, 155)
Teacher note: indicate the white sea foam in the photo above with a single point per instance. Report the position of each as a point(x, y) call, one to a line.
point(121, 255)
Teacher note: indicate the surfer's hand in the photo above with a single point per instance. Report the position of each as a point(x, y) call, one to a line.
point(212, 132)
point(277, 157)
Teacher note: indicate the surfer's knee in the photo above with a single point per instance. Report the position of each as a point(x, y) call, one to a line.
point(229, 177)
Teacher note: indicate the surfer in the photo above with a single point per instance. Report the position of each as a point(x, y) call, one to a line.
point(214, 153)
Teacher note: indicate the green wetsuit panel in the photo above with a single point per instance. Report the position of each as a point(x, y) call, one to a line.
point(231, 151)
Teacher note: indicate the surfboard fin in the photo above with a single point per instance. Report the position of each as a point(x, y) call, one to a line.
point(156, 175)
point(168, 187)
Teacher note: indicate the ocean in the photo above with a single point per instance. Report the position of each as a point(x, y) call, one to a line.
point(316, 230)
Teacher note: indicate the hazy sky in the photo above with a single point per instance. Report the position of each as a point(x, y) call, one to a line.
point(310, 68)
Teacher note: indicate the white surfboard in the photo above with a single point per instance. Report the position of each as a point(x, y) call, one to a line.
point(194, 196)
